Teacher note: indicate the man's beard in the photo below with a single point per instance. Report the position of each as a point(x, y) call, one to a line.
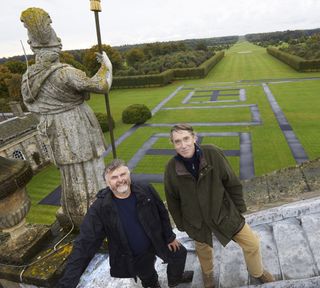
point(122, 189)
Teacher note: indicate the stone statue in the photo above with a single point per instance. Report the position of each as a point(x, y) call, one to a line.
point(56, 93)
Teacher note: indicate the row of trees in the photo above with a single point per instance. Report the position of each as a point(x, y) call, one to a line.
point(302, 43)
point(280, 37)
point(153, 58)
point(306, 47)
point(10, 82)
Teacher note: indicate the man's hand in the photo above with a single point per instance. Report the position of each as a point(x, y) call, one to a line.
point(174, 245)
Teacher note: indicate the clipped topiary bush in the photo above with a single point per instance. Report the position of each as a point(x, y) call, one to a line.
point(136, 114)
point(103, 121)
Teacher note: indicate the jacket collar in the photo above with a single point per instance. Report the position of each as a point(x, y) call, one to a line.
point(180, 167)
point(197, 154)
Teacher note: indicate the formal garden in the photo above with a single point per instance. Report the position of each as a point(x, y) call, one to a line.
point(234, 107)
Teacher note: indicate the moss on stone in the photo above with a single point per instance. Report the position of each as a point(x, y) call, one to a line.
point(47, 267)
point(31, 16)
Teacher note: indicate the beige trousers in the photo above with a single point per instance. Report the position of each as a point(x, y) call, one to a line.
point(250, 244)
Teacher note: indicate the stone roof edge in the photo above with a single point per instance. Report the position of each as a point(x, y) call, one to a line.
point(13, 118)
point(313, 282)
point(7, 140)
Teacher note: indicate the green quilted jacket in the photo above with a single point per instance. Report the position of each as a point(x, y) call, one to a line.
point(213, 203)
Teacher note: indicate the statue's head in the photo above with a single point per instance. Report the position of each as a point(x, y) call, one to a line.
point(41, 34)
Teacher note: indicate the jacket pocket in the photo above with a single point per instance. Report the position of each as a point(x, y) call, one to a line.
point(229, 219)
point(224, 213)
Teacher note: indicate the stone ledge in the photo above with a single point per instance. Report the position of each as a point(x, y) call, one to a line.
point(288, 210)
point(301, 283)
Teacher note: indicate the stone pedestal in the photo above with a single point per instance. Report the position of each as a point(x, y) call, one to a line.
point(43, 264)
point(27, 251)
point(21, 249)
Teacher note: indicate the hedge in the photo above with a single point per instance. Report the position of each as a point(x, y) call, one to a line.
point(136, 114)
point(168, 76)
point(143, 80)
point(210, 63)
point(296, 62)
point(103, 121)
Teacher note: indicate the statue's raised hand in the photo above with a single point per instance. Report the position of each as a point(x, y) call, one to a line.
point(105, 61)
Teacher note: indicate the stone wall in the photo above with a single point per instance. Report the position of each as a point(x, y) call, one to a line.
point(284, 185)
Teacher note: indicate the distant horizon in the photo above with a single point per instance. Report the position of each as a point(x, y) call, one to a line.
point(142, 21)
point(162, 41)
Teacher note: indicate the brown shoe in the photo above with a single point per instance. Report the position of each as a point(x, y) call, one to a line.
point(208, 280)
point(266, 277)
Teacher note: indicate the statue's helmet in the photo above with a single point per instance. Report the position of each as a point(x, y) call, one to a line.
point(40, 32)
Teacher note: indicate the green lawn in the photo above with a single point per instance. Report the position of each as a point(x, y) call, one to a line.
point(241, 114)
point(41, 185)
point(299, 101)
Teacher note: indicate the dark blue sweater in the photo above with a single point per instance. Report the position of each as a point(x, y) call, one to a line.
point(137, 238)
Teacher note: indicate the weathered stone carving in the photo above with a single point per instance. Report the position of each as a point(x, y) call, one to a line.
point(18, 240)
point(56, 93)
point(14, 201)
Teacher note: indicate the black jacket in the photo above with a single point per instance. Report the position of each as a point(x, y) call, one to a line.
point(102, 221)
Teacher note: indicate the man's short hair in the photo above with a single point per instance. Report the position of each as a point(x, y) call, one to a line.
point(113, 165)
point(181, 126)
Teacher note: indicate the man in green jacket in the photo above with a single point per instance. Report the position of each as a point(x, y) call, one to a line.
point(205, 196)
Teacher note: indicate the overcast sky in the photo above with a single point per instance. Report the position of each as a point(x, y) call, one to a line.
point(141, 21)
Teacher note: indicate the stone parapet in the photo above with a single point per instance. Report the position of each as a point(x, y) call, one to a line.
point(284, 185)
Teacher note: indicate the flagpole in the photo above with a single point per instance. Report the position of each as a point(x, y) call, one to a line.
point(96, 8)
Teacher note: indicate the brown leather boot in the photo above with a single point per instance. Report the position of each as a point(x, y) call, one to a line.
point(208, 280)
point(266, 277)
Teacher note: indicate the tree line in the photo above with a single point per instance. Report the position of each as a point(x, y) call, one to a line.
point(302, 43)
point(278, 37)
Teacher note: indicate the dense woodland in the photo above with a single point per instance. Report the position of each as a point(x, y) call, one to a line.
point(302, 43)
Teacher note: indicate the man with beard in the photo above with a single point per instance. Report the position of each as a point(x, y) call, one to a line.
point(136, 224)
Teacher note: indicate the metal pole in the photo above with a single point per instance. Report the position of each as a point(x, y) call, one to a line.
point(96, 8)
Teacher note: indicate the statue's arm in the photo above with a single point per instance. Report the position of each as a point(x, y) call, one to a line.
point(99, 83)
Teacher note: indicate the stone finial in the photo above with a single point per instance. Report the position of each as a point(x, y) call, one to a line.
point(14, 202)
point(19, 240)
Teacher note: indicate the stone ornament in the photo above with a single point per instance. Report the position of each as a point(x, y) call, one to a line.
point(14, 201)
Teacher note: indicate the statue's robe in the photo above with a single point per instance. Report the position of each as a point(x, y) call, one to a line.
point(56, 93)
